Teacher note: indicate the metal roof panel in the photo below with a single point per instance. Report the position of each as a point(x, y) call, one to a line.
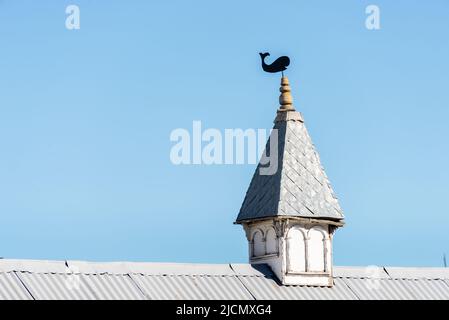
point(78, 280)
point(378, 289)
point(193, 287)
point(11, 288)
point(361, 272)
point(418, 273)
point(53, 286)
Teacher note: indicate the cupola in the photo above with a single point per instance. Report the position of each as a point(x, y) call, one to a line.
point(290, 215)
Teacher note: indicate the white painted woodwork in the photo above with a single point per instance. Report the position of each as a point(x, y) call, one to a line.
point(271, 241)
point(258, 244)
point(296, 249)
point(299, 253)
point(316, 249)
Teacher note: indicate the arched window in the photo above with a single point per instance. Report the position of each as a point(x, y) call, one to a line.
point(296, 250)
point(258, 244)
point(316, 250)
point(271, 241)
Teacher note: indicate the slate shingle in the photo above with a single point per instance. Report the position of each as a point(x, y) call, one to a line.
point(300, 186)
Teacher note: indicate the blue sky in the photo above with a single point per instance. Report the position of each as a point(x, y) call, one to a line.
point(86, 115)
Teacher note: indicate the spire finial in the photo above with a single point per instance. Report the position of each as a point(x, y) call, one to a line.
point(285, 99)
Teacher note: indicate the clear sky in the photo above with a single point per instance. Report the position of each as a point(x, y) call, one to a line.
point(86, 115)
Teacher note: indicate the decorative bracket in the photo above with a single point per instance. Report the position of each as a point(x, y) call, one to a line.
point(280, 227)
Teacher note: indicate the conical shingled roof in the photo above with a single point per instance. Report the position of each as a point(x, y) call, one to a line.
point(299, 187)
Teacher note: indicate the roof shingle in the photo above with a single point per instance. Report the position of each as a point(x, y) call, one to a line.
point(299, 187)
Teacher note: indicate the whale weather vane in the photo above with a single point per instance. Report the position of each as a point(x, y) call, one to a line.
point(278, 65)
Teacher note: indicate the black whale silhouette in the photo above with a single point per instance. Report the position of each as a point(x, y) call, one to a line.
point(280, 64)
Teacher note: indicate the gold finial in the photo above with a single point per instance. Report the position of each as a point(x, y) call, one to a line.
point(285, 99)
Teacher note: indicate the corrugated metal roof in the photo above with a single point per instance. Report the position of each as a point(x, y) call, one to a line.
point(113, 287)
point(50, 280)
point(53, 286)
point(418, 273)
point(361, 272)
point(149, 268)
point(423, 288)
point(378, 289)
point(267, 288)
point(193, 287)
point(11, 288)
